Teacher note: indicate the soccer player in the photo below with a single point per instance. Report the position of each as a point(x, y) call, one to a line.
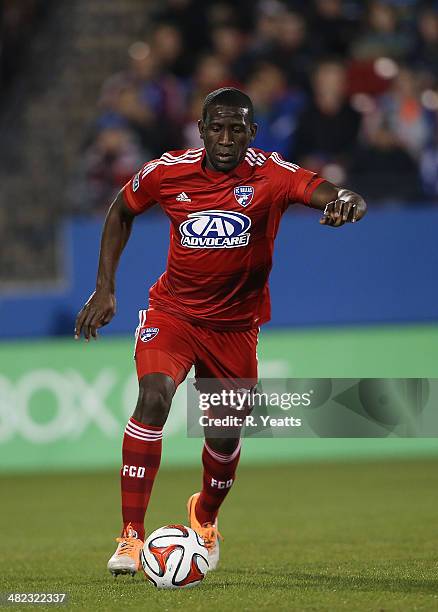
point(224, 203)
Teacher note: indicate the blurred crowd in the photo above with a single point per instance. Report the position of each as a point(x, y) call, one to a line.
point(348, 89)
point(18, 20)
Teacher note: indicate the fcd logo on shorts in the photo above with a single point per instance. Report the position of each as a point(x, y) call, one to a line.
point(148, 333)
point(215, 229)
point(244, 194)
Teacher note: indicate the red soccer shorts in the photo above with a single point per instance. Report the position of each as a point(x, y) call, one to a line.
point(169, 345)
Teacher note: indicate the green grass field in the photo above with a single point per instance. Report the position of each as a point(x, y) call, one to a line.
point(332, 537)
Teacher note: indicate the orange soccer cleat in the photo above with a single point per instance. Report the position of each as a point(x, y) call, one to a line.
point(126, 559)
point(208, 532)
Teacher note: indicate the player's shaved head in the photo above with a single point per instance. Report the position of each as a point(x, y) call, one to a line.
point(228, 96)
point(227, 128)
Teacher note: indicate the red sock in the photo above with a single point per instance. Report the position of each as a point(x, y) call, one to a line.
point(219, 473)
point(141, 454)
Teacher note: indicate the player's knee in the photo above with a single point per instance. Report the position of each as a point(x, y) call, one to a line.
point(152, 407)
point(154, 400)
point(225, 446)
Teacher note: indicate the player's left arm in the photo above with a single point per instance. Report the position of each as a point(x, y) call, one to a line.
point(339, 205)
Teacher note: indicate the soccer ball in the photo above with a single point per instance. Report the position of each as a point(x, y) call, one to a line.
point(174, 557)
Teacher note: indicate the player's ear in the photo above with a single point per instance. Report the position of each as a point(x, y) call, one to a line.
point(201, 128)
point(254, 128)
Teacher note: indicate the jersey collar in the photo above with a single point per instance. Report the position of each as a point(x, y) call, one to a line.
point(243, 170)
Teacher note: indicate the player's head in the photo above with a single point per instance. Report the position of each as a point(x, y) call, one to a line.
point(227, 127)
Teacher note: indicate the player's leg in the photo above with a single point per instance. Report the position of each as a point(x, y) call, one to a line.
point(163, 360)
point(220, 458)
point(141, 448)
point(219, 472)
point(232, 357)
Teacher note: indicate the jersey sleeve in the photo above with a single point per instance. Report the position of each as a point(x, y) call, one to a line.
point(293, 183)
point(143, 190)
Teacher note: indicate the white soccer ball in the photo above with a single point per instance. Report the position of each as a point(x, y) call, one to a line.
point(174, 557)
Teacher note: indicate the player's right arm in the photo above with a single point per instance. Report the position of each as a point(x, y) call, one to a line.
point(138, 195)
point(101, 305)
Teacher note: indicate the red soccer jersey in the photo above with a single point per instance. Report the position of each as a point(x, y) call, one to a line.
point(223, 227)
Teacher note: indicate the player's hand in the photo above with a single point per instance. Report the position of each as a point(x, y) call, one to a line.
point(97, 312)
point(348, 208)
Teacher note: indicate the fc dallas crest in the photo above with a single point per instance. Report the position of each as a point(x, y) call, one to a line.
point(148, 333)
point(244, 194)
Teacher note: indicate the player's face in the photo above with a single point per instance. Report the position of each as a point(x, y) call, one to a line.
point(227, 133)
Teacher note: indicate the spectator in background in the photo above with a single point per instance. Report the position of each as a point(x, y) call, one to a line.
point(404, 113)
point(107, 164)
point(265, 30)
point(383, 35)
point(175, 66)
point(189, 16)
point(229, 45)
point(191, 136)
point(276, 108)
point(328, 128)
point(383, 169)
point(425, 55)
point(330, 30)
point(18, 22)
point(169, 51)
point(221, 13)
point(290, 49)
point(211, 73)
point(146, 98)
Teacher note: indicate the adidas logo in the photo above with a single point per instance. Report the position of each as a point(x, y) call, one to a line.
point(183, 197)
